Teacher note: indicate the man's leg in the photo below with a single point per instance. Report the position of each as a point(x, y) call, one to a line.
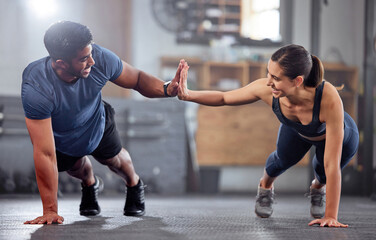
point(122, 165)
point(111, 153)
point(83, 170)
point(91, 186)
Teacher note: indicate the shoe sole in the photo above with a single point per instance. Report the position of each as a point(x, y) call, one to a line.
point(90, 213)
point(130, 214)
point(262, 216)
point(317, 216)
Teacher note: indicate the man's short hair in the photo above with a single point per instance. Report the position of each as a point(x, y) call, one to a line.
point(64, 39)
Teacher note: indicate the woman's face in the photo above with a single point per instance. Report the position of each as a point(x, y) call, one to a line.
point(280, 84)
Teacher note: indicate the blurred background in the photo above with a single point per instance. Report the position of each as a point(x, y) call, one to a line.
point(178, 147)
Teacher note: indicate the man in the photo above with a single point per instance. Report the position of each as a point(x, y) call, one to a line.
point(67, 119)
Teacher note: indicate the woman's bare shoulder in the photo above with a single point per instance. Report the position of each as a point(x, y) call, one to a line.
point(331, 102)
point(263, 90)
point(330, 92)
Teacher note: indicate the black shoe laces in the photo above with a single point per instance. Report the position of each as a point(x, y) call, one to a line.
point(135, 195)
point(89, 195)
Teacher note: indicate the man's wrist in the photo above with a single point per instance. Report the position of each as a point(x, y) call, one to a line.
point(165, 86)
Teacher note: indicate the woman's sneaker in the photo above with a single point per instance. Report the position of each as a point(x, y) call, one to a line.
point(89, 203)
point(318, 199)
point(135, 201)
point(264, 202)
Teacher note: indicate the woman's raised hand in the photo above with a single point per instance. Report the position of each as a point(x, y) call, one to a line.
point(183, 92)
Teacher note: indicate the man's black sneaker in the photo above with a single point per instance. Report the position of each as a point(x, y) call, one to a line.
point(89, 204)
point(135, 202)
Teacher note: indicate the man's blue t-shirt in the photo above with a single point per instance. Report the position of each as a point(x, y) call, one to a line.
point(76, 109)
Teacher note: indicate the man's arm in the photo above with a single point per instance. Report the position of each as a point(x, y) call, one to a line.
point(45, 168)
point(146, 84)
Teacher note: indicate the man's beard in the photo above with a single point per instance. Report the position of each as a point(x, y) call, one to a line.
point(75, 73)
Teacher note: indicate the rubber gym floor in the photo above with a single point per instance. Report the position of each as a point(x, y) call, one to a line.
point(185, 217)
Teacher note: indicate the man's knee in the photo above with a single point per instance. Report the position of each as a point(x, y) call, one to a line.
point(122, 157)
point(82, 164)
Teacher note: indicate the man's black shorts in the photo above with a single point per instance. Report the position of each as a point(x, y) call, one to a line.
point(109, 146)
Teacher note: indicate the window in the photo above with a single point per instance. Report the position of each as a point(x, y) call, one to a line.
point(261, 20)
point(249, 22)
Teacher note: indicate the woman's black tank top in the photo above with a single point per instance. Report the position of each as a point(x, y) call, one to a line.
point(315, 127)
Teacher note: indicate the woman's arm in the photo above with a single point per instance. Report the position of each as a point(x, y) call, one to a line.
point(251, 93)
point(333, 115)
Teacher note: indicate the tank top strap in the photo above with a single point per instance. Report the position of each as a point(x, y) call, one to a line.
point(275, 104)
point(317, 103)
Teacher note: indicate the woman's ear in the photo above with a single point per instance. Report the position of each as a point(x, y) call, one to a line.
point(299, 81)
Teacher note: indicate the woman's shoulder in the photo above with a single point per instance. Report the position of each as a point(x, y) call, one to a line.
point(262, 90)
point(260, 83)
point(331, 101)
point(329, 90)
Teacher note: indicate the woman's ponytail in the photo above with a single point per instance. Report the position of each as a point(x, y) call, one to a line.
point(296, 61)
point(316, 74)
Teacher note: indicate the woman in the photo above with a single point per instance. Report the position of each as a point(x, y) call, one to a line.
point(311, 113)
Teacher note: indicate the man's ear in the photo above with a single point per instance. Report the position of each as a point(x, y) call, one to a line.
point(299, 81)
point(61, 64)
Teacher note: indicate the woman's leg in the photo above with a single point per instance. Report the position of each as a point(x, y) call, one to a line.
point(291, 148)
point(266, 181)
point(349, 148)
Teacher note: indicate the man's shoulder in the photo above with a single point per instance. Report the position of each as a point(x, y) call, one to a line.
point(36, 69)
point(35, 78)
point(103, 54)
point(107, 64)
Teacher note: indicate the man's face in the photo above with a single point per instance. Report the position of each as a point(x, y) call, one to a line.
point(80, 66)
